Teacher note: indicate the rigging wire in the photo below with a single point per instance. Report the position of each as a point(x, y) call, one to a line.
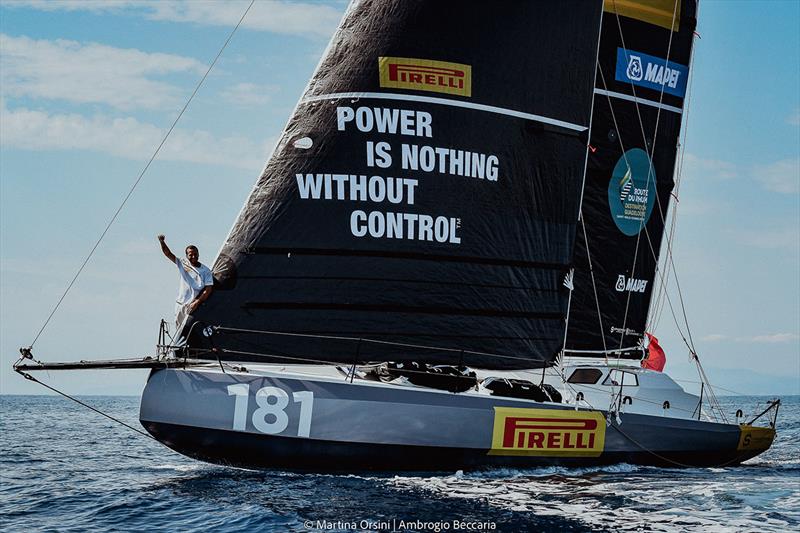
point(658, 306)
point(690, 343)
point(658, 202)
point(373, 341)
point(98, 411)
point(594, 289)
point(670, 238)
point(141, 175)
point(561, 355)
point(651, 149)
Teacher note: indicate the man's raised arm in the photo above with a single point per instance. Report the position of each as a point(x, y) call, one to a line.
point(164, 248)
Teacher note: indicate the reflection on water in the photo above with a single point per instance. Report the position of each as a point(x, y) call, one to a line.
point(65, 468)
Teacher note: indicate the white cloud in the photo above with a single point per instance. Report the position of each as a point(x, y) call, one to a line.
point(306, 19)
point(782, 176)
point(772, 338)
point(701, 168)
point(124, 137)
point(249, 94)
point(90, 73)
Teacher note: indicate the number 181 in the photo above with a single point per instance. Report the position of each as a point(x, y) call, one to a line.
point(270, 417)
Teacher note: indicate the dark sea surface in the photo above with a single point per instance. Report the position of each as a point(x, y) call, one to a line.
point(65, 468)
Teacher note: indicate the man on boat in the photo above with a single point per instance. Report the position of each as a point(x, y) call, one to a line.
point(197, 282)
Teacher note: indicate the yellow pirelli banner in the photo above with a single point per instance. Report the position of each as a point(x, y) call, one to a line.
point(547, 432)
point(425, 75)
point(658, 12)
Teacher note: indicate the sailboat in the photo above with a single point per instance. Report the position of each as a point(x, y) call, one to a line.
point(450, 258)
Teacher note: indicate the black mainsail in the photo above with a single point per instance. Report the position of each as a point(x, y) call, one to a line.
point(425, 191)
point(643, 65)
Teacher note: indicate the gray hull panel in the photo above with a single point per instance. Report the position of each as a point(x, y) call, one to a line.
point(303, 423)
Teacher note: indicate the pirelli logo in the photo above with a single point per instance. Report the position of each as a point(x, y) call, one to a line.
point(425, 75)
point(548, 432)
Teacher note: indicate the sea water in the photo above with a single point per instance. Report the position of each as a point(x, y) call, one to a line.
point(65, 468)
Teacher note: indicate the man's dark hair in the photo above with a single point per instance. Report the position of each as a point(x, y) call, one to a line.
point(192, 247)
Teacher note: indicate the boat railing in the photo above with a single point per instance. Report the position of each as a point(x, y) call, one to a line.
point(771, 410)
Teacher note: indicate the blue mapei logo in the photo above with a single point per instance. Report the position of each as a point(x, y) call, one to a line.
point(651, 72)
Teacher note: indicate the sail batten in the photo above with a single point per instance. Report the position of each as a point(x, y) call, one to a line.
point(444, 101)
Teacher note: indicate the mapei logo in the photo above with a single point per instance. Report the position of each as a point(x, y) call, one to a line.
point(635, 71)
point(547, 432)
point(651, 72)
point(631, 284)
point(425, 75)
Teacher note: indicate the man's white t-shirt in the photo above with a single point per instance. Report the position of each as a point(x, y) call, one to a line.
point(193, 281)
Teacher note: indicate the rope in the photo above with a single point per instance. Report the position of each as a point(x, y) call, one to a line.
point(658, 202)
point(690, 342)
point(373, 341)
point(98, 411)
point(594, 288)
point(687, 109)
point(666, 459)
point(644, 139)
point(141, 175)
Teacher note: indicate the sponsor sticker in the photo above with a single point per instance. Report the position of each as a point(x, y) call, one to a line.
point(630, 284)
point(632, 191)
point(547, 432)
point(664, 13)
point(651, 72)
point(425, 75)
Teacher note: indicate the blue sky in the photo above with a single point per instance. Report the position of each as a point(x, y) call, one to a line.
point(88, 88)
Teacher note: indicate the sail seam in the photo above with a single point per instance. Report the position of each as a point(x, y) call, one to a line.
point(445, 101)
point(617, 350)
point(398, 333)
point(409, 255)
point(403, 280)
point(639, 100)
point(410, 309)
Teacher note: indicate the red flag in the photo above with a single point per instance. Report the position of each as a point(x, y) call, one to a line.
point(656, 359)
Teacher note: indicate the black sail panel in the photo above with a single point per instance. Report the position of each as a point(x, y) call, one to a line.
point(641, 84)
point(424, 192)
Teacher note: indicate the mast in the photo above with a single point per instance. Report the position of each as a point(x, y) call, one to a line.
point(643, 61)
point(424, 192)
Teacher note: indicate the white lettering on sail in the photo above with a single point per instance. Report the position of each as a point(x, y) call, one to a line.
point(662, 75)
point(380, 189)
point(350, 187)
point(631, 285)
point(384, 120)
point(449, 161)
point(408, 226)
